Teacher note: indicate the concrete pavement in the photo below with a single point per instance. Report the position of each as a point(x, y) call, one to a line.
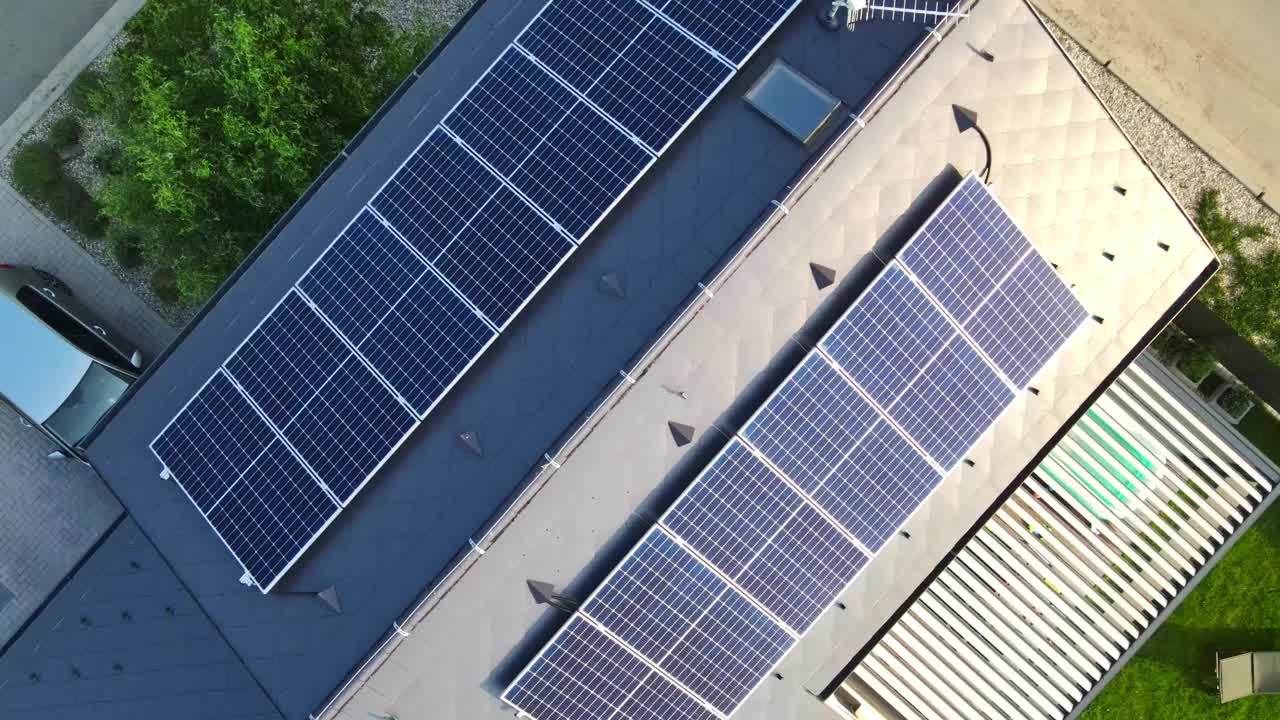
point(1210, 67)
point(53, 511)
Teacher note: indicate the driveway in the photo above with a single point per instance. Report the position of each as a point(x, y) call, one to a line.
point(1210, 67)
point(34, 36)
point(51, 512)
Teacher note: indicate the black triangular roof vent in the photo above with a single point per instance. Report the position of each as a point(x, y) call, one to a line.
point(823, 276)
point(681, 433)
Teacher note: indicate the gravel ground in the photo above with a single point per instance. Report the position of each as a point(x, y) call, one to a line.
point(1184, 166)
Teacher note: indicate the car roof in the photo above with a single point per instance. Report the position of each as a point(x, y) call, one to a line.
point(40, 368)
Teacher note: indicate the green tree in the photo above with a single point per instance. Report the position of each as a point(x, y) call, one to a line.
point(1245, 292)
point(225, 111)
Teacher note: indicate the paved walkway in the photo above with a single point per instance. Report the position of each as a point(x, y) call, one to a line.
point(51, 512)
point(34, 36)
point(1210, 67)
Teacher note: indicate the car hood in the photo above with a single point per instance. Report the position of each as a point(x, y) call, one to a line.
point(38, 367)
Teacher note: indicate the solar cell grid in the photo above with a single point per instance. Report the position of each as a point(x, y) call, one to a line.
point(761, 534)
point(888, 336)
point(559, 152)
point(209, 443)
point(1026, 319)
point(636, 67)
point(952, 403)
point(733, 27)
point(584, 674)
point(674, 610)
point(964, 250)
point(341, 418)
point(411, 327)
point(876, 486)
point(807, 424)
point(272, 513)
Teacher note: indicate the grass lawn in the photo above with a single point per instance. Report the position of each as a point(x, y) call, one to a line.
point(1237, 607)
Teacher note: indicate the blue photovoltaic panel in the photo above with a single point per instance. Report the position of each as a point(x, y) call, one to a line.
point(733, 27)
point(213, 439)
point(412, 328)
point(482, 237)
point(341, 418)
point(809, 422)
point(888, 336)
point(765, 537)
point(964, 250)
point(437, 192)
point(636, 67)
point(876, 486)
point(956, 399)
point(250, 487)
point(1026, 319)
point(272, 513)
point(562, 154)
point(679, 614)
point(583, 674)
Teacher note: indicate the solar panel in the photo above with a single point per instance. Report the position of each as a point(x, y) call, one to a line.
point(583, 674)
point(272, 514)
point(554, 148)
point(341, 418)
point(483, 238)
point(1026, 319)
point(678, 613)
point(952, 403)
point(249, 486)
point(448, 251)
point(805, 427)
point(208, 444)
point(412, 328)
point(876, 485)
point(635, 66)
point(888, 336)
point(735, 28)
point(765, 537)
point(963, 251)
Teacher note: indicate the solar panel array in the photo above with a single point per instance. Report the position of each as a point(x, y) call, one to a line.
point(441, 259)
point(831, 466)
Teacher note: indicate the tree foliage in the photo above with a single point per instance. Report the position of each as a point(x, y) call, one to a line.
point(1245, 293)
point(225, 111)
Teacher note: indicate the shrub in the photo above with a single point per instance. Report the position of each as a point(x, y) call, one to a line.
point(110, 162)
point(72, 204)
point(1171, 343)
point(165, 285)
point(1236, 401)
point(83, 91)
point(64, 132)
point(36, 170)
point(125, 247)
point(1197, 363)
point(227, 110)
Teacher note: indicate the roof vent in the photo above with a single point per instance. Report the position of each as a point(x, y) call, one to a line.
point(471, 442)
point(329, 596)
point(823, 276)
point(681, 433)
point(1122, 190)
point(611, 284)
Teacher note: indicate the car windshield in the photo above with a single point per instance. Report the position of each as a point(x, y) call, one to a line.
point(97, 391)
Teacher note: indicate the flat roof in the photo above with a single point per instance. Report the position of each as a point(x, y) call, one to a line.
point(1134, 258)
point(417, 514)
